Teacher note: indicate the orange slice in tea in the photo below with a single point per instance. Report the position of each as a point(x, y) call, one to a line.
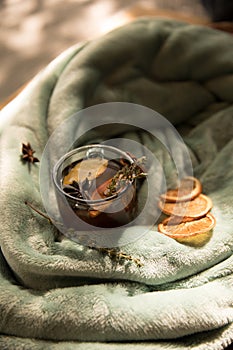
point(98, 194)
point(188, 228)
point(193, 209)
point(189, 188)
point(88, 168)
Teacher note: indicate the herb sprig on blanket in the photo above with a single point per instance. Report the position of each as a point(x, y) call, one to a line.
point(113, 253)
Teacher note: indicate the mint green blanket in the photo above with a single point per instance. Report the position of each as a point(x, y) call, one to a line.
point(57, 294)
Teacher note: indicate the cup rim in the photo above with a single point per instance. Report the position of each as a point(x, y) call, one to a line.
point(82, 148)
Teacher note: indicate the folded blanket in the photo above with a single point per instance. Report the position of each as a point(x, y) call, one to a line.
point(57, 294)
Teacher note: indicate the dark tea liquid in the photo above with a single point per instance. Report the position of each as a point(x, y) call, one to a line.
point(88, 181)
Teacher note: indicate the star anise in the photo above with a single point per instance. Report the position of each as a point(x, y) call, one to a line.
point(73, 190)
point(27, 153)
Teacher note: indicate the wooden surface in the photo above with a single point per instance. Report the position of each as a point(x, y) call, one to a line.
point(140, 11)
point(12, 96)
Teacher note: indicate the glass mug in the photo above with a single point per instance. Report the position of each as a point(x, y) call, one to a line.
point(85, 181)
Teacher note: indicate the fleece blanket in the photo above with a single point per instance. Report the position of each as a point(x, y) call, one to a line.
point(58, 294)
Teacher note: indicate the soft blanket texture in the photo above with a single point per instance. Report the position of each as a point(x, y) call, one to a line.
point(56, 294)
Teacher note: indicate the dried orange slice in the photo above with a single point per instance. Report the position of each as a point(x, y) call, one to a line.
point(188, 228)
point(195, 208)
point(97, 195)
point(189, 188)
point(88, 168)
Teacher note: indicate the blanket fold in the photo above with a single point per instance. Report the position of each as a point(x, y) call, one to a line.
point(57, 294)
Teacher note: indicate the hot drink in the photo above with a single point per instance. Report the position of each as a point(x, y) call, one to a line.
point(98, 183)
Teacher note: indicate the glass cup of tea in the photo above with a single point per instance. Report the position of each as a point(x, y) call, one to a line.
point(94, 183)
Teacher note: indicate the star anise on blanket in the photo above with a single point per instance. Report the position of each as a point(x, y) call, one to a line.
point(27, 153)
